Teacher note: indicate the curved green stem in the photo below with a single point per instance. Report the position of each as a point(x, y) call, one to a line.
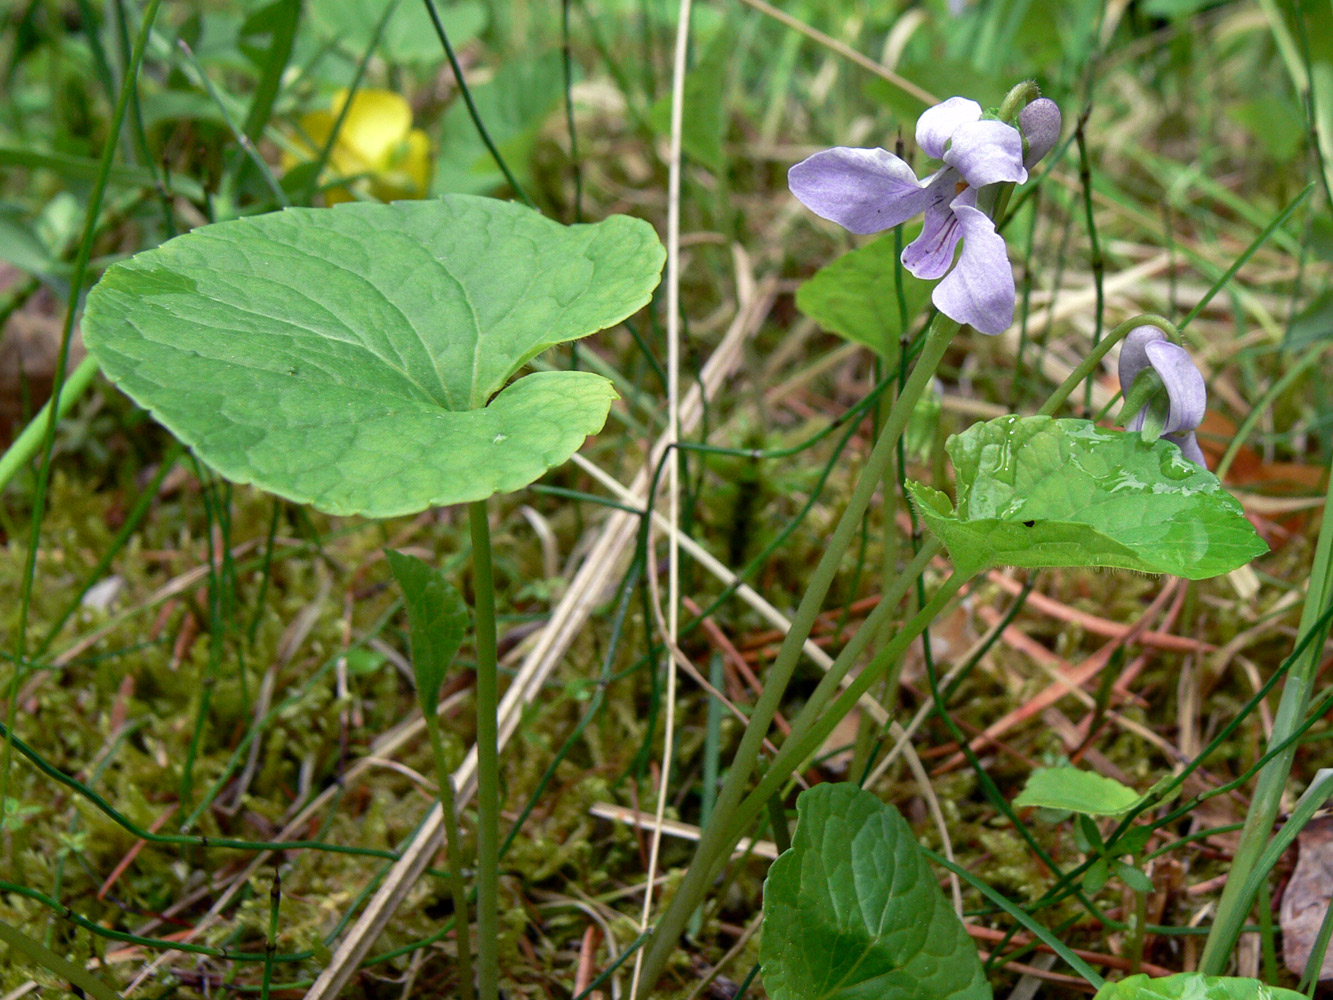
point(713, 840)
point(1094, 358)
point(25, 446)
point(488, 765)
point(810, 729)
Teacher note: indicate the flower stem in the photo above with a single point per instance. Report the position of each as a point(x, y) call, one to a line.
point(1018, 98)
point(488, 768)
point(1094, 358)
point(454, 849)
point(1138, 931)
point(713, 843)
point(810, 729)
point(1237, 897)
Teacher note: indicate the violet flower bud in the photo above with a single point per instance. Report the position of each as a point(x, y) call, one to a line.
point(1040, 124)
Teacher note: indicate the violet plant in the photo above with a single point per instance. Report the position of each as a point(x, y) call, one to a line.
point(850, 909)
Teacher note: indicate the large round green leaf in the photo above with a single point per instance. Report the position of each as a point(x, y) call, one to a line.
point(1036, 491)
point(347, 357)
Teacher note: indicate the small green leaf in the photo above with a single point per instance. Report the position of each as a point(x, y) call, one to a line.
point(437, 620)
point(513, 104)
point(1135, 839)
point(854, 911)
point(1087, 836)
point(408, 36)
point(1313, 324)
point(1036, 491)
point(856, 296)
point(1275, 124)
point(1193, 986)
point(1096, 876)
point(704, 125)
point(1133, 877)
point(1072, 790)
point(350, 358)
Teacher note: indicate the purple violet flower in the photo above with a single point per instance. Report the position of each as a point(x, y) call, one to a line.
point(1186, 395)
point(870, 190)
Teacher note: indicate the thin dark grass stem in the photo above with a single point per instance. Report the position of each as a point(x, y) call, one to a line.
point(326, 151)
point(271, 943)
point(472, 111)
point(1250, 251)
point(238, 132)
point(1042, 933)
point(1098, 264)
point(265, 572)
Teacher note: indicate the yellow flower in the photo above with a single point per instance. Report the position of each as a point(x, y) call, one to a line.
point(376, 144)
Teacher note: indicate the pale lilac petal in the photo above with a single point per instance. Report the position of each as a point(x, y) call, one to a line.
point(987, 152)
point(936, 125)
point(1189, 447)
point(980, 290)
point(1134, 357)
point(1184, 385)
point(863, 190)
point(1040, 124)
point(930, 255)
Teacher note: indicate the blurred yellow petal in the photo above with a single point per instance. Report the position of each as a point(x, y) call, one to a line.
point(338, 195)
point(376, 122)
point(376, 145)
point(317, 125)
point(408, 167)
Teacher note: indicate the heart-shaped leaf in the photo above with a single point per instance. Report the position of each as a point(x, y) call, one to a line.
point(1072, 790)
point(347, 357)
point(853, 910)
point(1193, 986)
point(1036, 491)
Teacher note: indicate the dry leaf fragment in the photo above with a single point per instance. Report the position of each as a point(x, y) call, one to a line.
point(1307, 896)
